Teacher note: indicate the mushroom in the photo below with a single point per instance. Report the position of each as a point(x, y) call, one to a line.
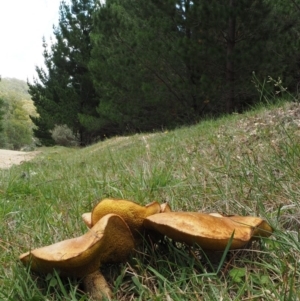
point(132, 213)
point(87, 217)
point(210, 232)
point(109, 240)
point(96, 286)
point(165, 207)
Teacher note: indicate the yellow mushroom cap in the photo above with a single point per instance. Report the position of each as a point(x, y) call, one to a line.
point(132, 213)
point(208, 231)
point(87, 217)
point(109, 240)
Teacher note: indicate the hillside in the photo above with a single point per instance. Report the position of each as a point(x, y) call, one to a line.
point(243, 164)
point(17, 107)
point(18, 86)
point(17, 89)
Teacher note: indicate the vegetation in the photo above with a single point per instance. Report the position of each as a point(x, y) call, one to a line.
point(239, 164)
point(135, 66)
point(16, 108)
point(65, 93)
point(1, 115)
point(62, 135)
point(142, 66)
point(19, 87)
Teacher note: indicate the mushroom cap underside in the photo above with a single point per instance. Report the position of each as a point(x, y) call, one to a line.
point(209, 232)
point(109, 240)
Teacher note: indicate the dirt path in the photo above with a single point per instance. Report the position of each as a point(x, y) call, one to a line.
point(10, 157)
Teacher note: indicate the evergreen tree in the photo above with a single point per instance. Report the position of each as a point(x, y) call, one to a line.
point(222, 43)
point(64, 93)
point(156, 62)
point(134, 66)
point(127, 66)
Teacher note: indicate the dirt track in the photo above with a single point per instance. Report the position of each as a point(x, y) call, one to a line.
point(9, 157)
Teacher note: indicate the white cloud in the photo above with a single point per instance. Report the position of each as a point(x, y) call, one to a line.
point(22, 27)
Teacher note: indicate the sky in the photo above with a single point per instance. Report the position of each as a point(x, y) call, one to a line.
point(23, 23)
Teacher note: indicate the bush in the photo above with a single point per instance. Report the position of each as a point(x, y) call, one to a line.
point(63, 135)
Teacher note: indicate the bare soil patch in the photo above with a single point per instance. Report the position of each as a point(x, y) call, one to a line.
point(10, 157)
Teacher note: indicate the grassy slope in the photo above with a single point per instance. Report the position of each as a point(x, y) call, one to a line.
point(243, 164)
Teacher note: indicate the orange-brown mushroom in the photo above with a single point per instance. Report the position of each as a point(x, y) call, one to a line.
point(87, 219)
point(132, 213)
point(208, 231)
point(96, 286)
point(165, 207)
point(109, 240)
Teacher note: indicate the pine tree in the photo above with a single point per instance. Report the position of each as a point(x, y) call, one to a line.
point(64, 93)
point(156, 63)
point(127, 66)
point(134, 67)
point(222, 43)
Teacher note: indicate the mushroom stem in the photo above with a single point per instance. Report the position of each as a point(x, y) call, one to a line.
point(96, 286)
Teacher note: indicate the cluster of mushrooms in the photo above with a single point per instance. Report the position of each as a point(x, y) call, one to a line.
point(115, 228)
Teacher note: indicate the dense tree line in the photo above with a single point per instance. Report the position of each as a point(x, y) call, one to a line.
point(127, 66)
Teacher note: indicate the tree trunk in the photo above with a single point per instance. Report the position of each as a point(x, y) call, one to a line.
point(230, 97)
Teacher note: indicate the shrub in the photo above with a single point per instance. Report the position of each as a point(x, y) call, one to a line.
point(63, 135)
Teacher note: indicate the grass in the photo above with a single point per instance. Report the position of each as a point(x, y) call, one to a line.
point(241, 164)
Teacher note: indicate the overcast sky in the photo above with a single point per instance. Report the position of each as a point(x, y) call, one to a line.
point(23, 23)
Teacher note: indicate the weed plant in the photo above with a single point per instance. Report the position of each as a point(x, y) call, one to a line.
point(241, 164)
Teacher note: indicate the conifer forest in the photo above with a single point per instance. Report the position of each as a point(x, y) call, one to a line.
point(122, 67)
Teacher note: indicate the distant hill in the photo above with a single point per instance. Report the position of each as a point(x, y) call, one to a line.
point(18, 86)
point(12, 88)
